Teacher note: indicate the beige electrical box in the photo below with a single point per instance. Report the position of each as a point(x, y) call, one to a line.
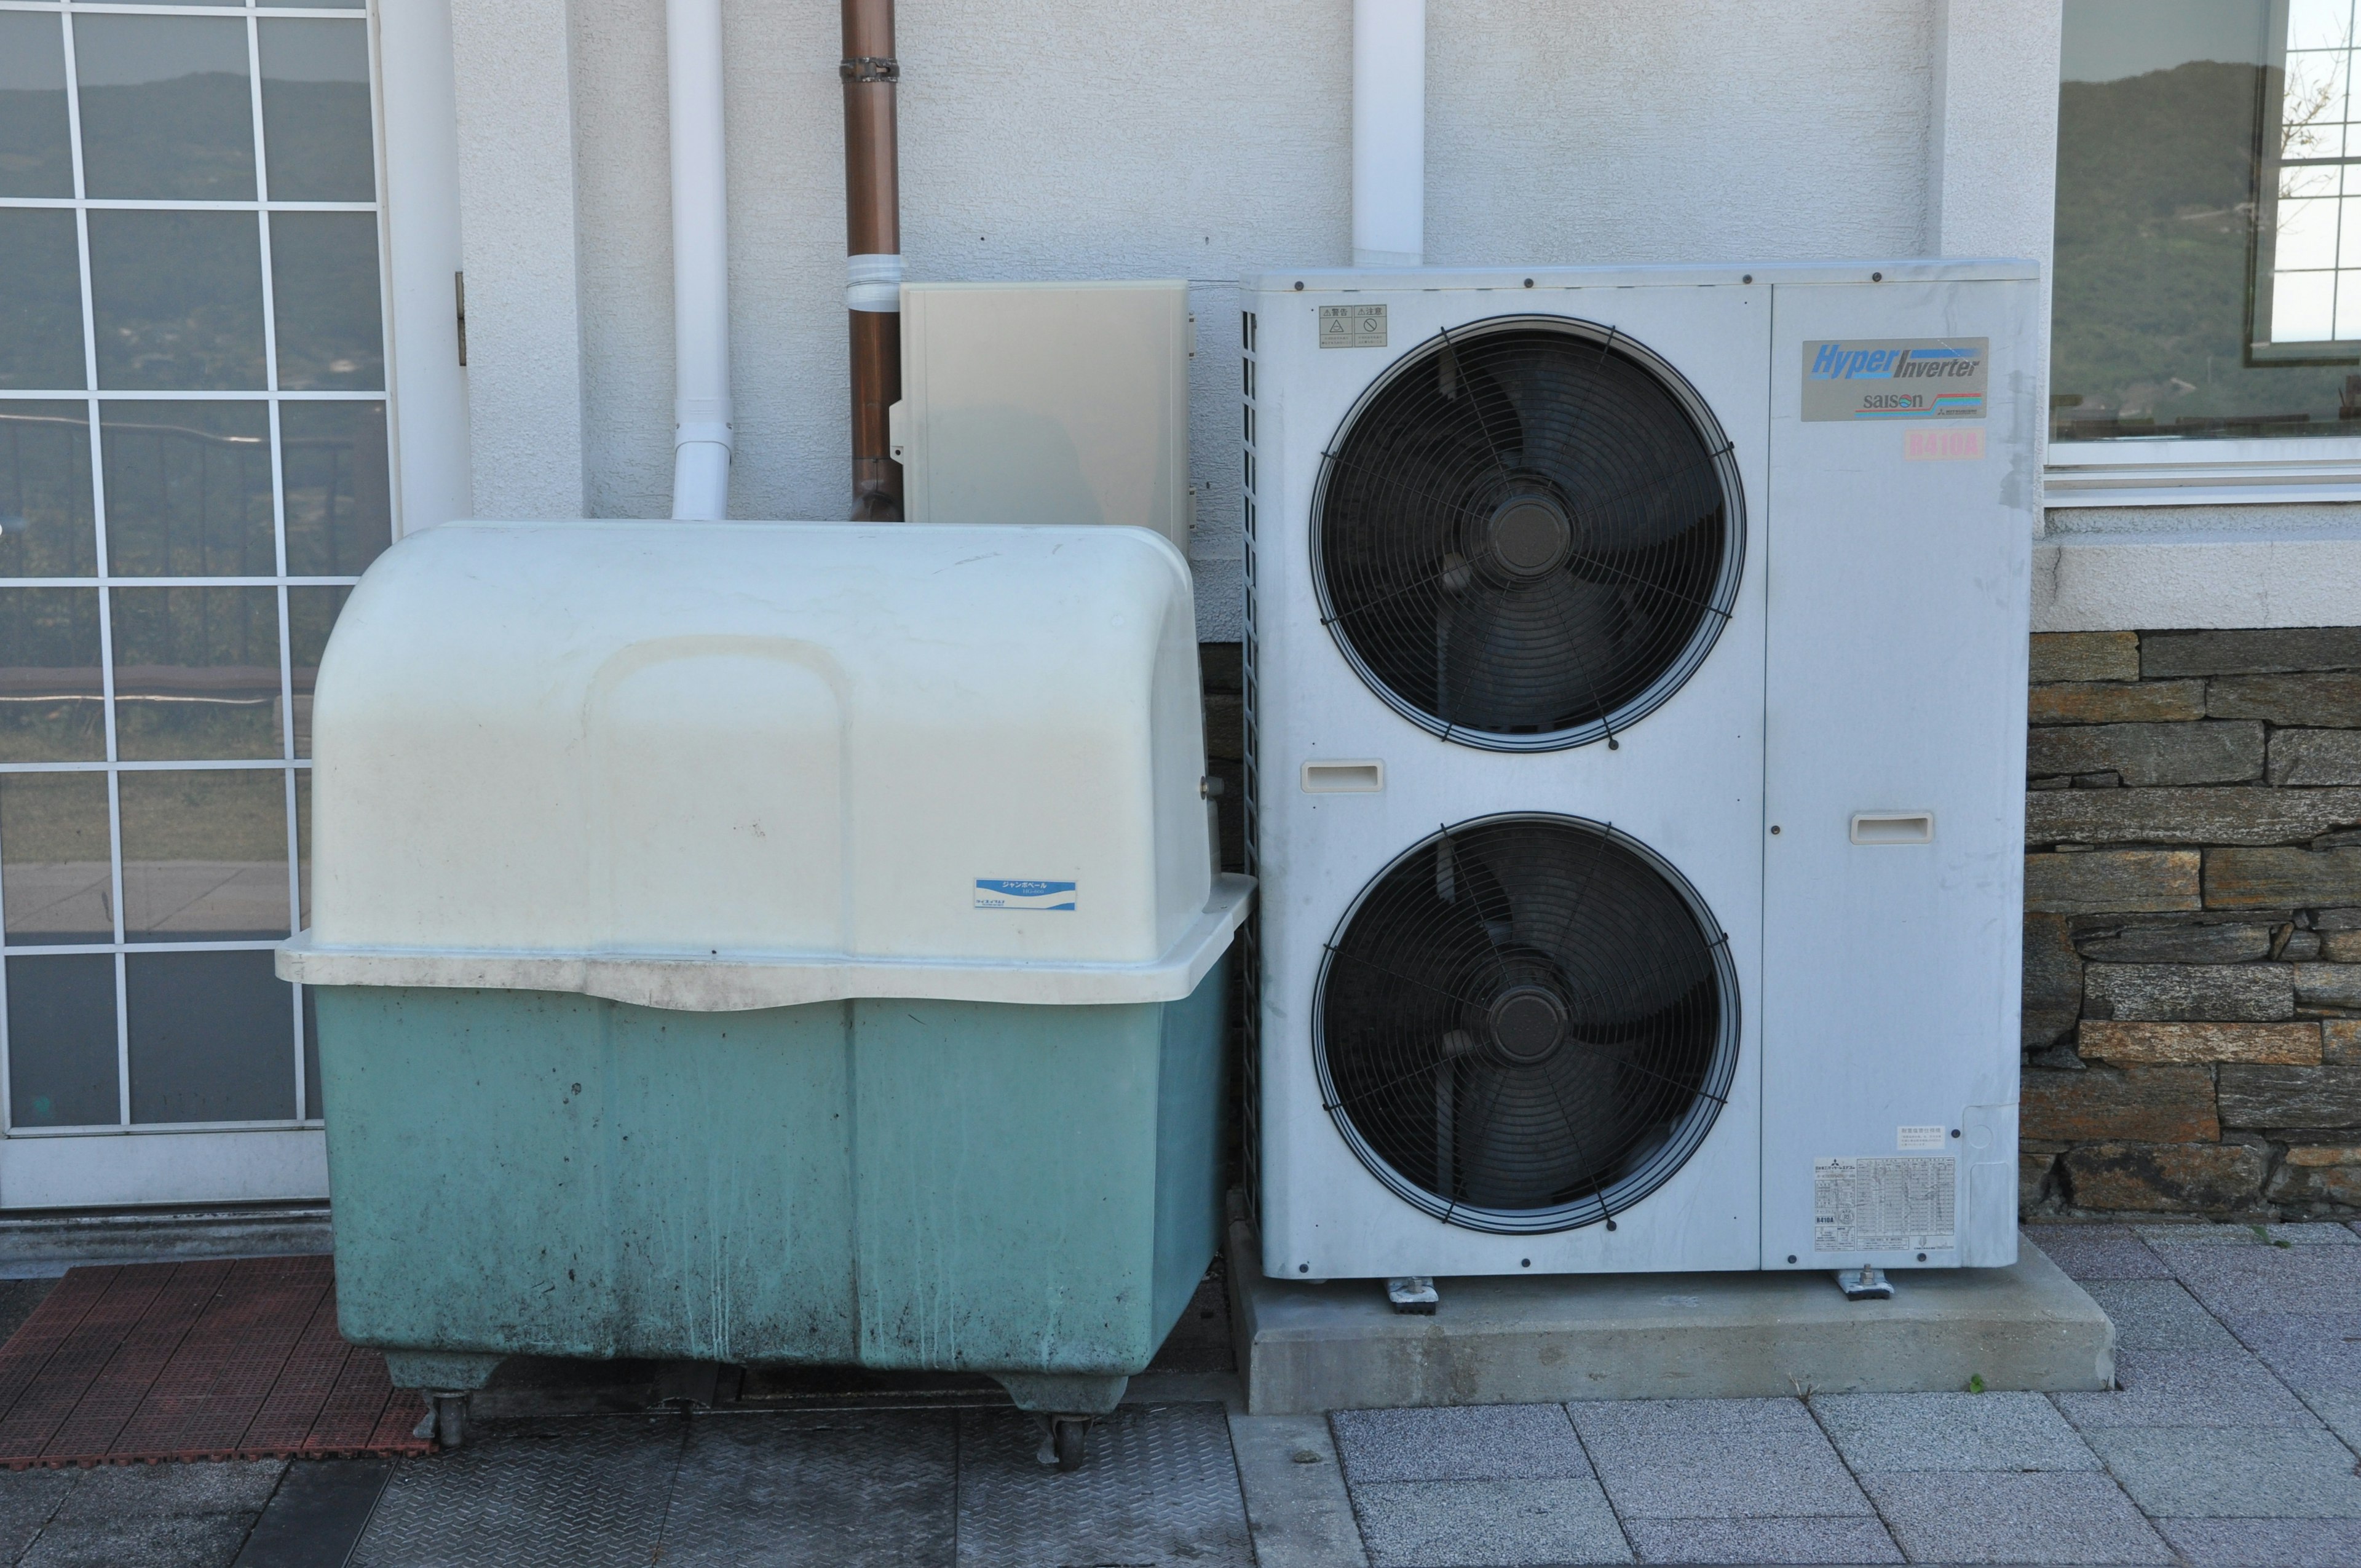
point(1047, 402)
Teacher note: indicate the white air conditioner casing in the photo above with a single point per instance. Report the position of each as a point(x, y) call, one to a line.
point(1837, 779)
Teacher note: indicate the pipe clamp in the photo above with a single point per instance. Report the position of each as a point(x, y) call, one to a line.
point(872, 283)
point(870, 68)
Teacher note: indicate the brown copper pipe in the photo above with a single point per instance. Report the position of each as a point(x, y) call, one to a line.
point(872, 224)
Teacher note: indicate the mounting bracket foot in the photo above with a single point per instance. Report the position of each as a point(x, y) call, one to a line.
point(1412, 1293)
point(1864, 1284)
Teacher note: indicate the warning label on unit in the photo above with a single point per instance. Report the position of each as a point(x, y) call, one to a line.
point(1352, 326)
point(1896, 379)
point(1899, 1203)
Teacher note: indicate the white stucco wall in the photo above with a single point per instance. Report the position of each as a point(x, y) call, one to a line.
point(1090, 138)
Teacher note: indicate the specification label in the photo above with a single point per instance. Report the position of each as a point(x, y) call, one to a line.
point(1899, 1203)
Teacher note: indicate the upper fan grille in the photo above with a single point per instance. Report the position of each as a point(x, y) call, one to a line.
point(1528, 534)
point(1527, 1024)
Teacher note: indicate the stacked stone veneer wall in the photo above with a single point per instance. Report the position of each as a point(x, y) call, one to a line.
point(2192, 928)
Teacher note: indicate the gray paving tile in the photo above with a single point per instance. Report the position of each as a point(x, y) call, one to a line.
point(2264, 1543)
point(2343, 1414)
point(1627, 1419)
point(1468, 1443)
point(2097, 1252)
point(2157, 1314)
point(27, 1498)
point(1762, 1541)
point(2231, 1472)
point(1715, 1459)
point(576, 1492)
point(2052, 1517)
point(1159, 1485)
point(122, 1492)
point(2325, 1233)
point(193, 1541)
point(2197, 1234)
point(1487, 1524)
point(2312, 1352)
point(2269, 1279)
point(856, 1489)
point(2188, 1388)
point(1951, 1431)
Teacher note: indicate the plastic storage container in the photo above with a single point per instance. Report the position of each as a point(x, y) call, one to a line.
point(768, 942)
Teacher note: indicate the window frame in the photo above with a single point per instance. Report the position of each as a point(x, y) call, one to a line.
point(2173, 470)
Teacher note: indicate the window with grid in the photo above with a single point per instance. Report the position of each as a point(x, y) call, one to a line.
point(193, 470)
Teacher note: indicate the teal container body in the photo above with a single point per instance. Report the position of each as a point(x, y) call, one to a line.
point(1027, 1192)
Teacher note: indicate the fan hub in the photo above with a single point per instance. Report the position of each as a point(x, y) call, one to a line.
point(1531, 536)
point(1528, 1024)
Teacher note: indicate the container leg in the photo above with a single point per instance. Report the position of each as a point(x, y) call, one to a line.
point(450, 1419)
point(1063, 1438)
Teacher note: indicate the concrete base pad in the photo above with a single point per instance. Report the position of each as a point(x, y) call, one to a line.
point(1303, 1348)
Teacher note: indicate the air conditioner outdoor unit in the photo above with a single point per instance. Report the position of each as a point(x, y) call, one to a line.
point(1637, 666)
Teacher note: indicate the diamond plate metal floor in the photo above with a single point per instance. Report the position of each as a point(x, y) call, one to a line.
point(1159, 1485)
point(854, 1487)
point(581, 1492)
point(845, 1488)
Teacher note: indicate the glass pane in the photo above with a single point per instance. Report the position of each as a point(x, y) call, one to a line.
point(45, 513)
point(56, 873)
point(197, 673)
point(303, 849)
point(324, 284)
point(204, 854)
point(167, 113)
point(178, 298)
point(40, 300)
point(314, 4)
point(213, 1038)
point(2201, 288)
point(35, 159)
point(52, 707)
point(315, 111)
point(310, 614)
point(188, 489)
point(339, 504)
point(62, 1044)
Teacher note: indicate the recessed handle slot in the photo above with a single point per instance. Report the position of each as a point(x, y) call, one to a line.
point(1344, 778)
point(1893, 826)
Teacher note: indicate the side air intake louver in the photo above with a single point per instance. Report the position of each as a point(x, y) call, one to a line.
point(1528, 534)
point(1526, 1023)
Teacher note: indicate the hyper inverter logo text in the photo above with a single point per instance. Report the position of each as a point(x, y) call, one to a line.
point(1943, 378)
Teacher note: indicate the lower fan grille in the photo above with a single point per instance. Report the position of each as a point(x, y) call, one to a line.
point(1527, 1024)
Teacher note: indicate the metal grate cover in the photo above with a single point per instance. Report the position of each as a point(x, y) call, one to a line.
point(1528, 534)
point(1526, 1023)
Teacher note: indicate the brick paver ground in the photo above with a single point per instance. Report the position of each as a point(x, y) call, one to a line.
point(2232, 1440)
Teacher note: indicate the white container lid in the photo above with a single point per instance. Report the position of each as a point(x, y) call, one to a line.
point(717, 766)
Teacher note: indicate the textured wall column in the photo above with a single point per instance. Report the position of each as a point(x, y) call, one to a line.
point(1991, 136)
point(517, 216)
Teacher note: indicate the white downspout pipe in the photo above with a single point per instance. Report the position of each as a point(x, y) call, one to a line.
point(700, 263)
point(1389, 133)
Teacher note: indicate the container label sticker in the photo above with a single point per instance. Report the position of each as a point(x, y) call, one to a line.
point(1918, 1138)
point(1352, 326)
point(1890, 379)
point(1899, 1203)
point(994, 893)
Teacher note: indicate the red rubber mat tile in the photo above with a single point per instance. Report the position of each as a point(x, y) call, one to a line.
point(223, 1360)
